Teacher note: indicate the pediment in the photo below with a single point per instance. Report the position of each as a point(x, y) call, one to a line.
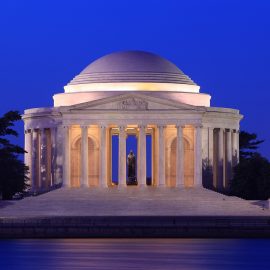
point(132, 102)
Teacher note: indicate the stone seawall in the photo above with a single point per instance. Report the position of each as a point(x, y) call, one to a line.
point(135, 226)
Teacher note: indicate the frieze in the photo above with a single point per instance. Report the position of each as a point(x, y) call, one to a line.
point(133, 104)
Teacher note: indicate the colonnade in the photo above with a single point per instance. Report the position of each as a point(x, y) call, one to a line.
point(141, 165)
point(43, 149)
point(220, 154)
point(40, 157)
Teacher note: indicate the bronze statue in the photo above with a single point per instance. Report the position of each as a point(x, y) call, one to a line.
point(131, 162)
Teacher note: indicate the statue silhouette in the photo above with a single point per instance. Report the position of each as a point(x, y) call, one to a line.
point(131, 162)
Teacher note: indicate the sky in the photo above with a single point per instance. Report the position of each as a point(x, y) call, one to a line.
point(223, 45)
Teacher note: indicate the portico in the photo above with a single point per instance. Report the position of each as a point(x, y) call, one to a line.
point(192, 145)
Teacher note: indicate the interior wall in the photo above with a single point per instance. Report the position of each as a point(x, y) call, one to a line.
point(75, 157)
point(170, 156)
point(170, 133)
point(93, 163)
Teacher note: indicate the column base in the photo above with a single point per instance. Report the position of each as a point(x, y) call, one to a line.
point(180, 186)
point(103, 186)
point(198, 186)
point(84, 186)
point(121, 186)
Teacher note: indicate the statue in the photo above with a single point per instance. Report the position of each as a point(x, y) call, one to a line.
point(131, 162)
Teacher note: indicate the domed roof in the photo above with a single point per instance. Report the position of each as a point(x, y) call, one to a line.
point(130, 67)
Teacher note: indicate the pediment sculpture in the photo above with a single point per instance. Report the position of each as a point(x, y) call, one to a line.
point(133, 104)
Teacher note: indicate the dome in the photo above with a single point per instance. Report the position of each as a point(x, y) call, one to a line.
point(131, 70)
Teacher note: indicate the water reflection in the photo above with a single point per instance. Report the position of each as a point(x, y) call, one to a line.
point(135, 254)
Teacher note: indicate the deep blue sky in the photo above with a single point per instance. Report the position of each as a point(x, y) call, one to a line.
point(223, 45)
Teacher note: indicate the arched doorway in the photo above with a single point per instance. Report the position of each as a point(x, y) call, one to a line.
point(188, 164)
point(93, 163)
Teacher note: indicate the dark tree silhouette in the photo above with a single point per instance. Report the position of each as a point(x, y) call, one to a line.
point(251, 178)
point(13, 172)
point(248, 143)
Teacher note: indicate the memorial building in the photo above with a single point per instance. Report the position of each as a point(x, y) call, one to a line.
point(82, 140)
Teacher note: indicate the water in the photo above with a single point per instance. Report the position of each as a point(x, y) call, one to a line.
point(131, 254)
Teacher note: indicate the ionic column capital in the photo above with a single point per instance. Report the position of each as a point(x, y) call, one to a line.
point(142, 126)
point(46, 128)
point(161, 126)
point(28, 131)
point(122, 128)
point(35, 131)
point(53, 129)
point(42, 134)
point(179, 126)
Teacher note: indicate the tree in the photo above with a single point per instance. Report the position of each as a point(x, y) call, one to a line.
point(248, 143)
point(251, 178)
point(13, 172)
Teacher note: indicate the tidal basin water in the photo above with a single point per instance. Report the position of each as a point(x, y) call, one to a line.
point(135, 254)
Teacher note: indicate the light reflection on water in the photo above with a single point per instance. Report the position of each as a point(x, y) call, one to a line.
point(127, 254)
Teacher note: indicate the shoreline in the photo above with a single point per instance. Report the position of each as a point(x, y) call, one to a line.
point(135, 227)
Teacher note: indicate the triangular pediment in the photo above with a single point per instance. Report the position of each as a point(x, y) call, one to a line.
point(132, 102)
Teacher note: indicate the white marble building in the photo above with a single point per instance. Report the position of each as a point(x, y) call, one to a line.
point(131, 93)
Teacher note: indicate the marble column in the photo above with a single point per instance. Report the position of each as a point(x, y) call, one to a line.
point(122, 157)
point(237, 146)
point(220, 174)
point(103, 163)
point(198, 157)
point(234, 148)
point(180, 158)
point(43, 159)
point(53, 155)
point(228, 158)
point(161, 156)
point(211, 156)
point(142, 156)
point(35, 160)
point(66, 154)
point(59, 156)
point(84, 157)
point(28, 149)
